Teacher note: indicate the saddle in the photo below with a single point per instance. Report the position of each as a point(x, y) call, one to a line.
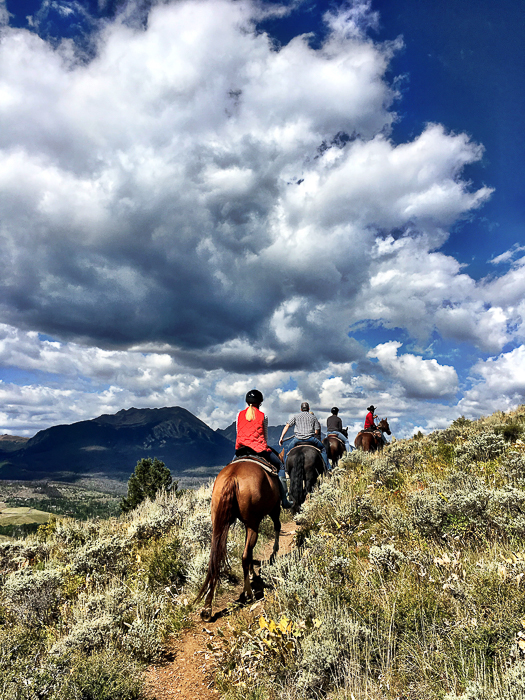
point(267, 466)
point(376, 433)
point(337, 438)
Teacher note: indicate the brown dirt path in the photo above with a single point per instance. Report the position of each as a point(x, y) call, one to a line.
point(190, 675)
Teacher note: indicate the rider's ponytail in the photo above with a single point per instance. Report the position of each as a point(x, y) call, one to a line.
point(253, 397)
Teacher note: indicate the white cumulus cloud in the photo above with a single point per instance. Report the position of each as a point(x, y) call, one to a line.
point(420, 378)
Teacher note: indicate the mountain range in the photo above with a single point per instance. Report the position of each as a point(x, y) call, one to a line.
point(111, 445)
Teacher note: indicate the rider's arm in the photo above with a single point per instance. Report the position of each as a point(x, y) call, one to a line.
point(283, 433)
point(265, 428)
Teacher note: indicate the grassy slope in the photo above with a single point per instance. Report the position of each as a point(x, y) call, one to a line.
point(84, 605)
point(409, 582)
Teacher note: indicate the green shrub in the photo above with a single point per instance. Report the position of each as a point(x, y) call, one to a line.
point(338, 646)
point(428, 512)
point(461, 423)
point(198, 529)
point(483, 447)
point(387, 471)
point(116, 618)
point(510, 431)
point(166, 562)
point(22, 675)
point(25, 673)
point(514, 682)
point(33, 595)
point(15, 554)
point(366, 509)
point(513, 467)
point(102, 556)
point(88, 636)
point(152, 520)
point(386, 557)
point(144, 640)
point(106, 675)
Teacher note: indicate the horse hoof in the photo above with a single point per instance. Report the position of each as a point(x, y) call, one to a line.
point(205, 613)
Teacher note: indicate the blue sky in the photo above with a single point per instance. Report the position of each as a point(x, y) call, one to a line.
point(319, 199)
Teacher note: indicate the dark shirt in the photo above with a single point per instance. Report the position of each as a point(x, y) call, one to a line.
point(334, 423)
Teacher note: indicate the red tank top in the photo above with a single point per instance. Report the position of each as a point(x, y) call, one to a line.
point(251, 433)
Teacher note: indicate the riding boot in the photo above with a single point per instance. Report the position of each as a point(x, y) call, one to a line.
point(284, 493)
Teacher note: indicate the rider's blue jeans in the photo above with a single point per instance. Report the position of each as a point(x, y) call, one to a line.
point(348, 446)
point(312, 441)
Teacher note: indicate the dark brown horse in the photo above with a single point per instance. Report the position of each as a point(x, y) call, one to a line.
point(304, 464)
point(335, 449)
point(243, 490)
point(368, 442)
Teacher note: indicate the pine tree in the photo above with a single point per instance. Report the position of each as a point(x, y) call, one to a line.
point(150, 477)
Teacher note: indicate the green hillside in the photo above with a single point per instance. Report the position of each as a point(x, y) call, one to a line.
point(22, 516)
point(408, 581)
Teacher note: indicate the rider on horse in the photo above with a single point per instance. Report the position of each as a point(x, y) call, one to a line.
point(252, 439)
point(307, 429)
point(370, 426)
point(334, 426)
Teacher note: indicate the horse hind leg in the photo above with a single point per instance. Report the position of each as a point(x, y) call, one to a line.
point(247, 560)
point(275, 516)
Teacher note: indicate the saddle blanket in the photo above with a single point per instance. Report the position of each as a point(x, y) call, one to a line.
point(261, 462)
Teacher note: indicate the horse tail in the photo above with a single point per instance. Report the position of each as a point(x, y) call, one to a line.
point(224, 516)
point(328, 448)
point(297, 478)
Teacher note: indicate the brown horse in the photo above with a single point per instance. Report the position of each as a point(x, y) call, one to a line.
point(335, 449)
point(368, 442)
point(243, 490)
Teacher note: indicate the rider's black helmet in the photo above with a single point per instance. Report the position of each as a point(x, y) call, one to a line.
point(335, 410)
point(254, 397)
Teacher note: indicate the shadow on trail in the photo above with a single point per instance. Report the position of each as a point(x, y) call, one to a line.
point(258, 587)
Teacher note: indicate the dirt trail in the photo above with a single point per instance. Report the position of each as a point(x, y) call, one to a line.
point(191, 673)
